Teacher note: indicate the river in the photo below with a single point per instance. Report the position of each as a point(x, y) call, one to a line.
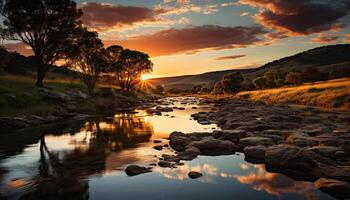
point(86, 160)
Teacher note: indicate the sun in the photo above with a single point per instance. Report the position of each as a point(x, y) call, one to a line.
point(145, 77)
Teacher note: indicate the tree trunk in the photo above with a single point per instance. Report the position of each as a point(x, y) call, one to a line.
point(41, 72)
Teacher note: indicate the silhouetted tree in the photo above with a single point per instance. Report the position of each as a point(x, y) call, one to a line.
point(339, 72)
point(47, 26)
point(313, 75)
point(293, 78)
point(89, 58)
point(129, 65)
point(231, 83)
point(271, 77)
point(260, 83)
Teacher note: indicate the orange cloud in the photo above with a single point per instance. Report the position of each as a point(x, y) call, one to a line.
point(19, 48)
point(322, 38)
point(230, 57)
point(193, 39)
point(300, 17)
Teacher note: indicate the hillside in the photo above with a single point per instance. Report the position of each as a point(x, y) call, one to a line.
point(324, 58)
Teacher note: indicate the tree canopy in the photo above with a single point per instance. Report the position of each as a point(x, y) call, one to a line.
point(49, 27)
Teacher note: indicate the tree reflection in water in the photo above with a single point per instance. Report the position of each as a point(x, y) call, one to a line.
point(63, 174)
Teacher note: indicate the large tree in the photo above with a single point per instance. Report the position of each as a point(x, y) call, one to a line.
point(230, 84)
point(49, 27)
point(128, 66)
point(88, 58)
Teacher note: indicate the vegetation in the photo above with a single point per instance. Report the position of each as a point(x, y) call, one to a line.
point(333, 94)
point(48, 27)
point(230, 84)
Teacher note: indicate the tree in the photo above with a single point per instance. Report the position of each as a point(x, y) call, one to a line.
point(129, 66)
point(260, 83)
point(231, 83)
point(271, 77)
point(49, 27)
point(293, 78)
point(89, 58)
point(313, 75)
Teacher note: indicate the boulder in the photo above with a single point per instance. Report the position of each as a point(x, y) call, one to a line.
point(190, 153)
point(158, 147)
point(165, 163)
point(232, 135)
point(336, 188)
point(178, 141)
point(194, 175)
point(133, 170)
point(301, 140)
point(254, 141)
point(214, 147)
point(255, 151)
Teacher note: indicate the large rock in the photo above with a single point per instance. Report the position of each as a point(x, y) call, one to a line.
point(214, 147)
point(53, 95)
point(254, 141)
point(231, 135)
point(190, 153)
point(194, 174)
point(255, 151)
point(301, 140)
point(178, 141)
point(133, 170)
point(336, 188)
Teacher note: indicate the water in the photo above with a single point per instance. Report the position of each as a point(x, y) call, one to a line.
point(86, 159)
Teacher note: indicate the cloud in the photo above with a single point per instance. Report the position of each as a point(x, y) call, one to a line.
point(230, 57)
point(19, 48)
point(104, 16)
point(347, 38)
point(192, 39)
point(300, 17)
point(322, 38)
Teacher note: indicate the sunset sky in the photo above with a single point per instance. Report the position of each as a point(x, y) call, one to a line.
point(195, 36)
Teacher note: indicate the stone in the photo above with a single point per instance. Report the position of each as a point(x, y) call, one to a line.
point(133, 170)
point(301, 140)
point(255, 151)
point(178, 141)
point(336, 188)
point(194, 175)
point(164, 163)
point(53, 95)
point(158, 147)
point(253, 141)
point(190, 153)
point(157, 141)
point(232, 135)
point(214, 147)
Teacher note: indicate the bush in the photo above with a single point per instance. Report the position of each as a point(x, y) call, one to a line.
point(260, 83)
point(293, 78)
point(230, 84)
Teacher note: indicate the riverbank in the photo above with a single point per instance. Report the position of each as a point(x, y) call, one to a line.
point(304, 143)
point(23, 105)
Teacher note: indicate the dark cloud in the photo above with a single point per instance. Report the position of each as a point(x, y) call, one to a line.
point(193, 39)
point(300, 17)
point(102, 16)
point(229, 57)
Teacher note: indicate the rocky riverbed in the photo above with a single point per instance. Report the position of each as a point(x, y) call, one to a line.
point(302, 142)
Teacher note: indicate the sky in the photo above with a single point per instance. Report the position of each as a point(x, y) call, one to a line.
point(196, 36)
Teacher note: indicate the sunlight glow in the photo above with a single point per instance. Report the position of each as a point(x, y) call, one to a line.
point(145, 77)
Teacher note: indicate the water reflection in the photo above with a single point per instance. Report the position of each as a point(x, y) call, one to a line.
point(84, 160)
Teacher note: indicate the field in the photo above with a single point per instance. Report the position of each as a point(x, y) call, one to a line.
point(330, 94)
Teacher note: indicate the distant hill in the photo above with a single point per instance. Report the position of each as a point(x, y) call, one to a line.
point(324, 58)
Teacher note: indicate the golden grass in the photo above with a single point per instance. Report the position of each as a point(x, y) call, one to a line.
point(331, 94)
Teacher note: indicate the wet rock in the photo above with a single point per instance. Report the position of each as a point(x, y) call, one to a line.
point(164, 163)
point(157, 141)
point(171, 158)
point(336, 188)
point(152, 111)
point(53, 95)
point(158, 147)
point(327, 151)
point(164, 109)
point(255, 151)
point(133, 170)
point(232, 135)
point(194, 175)
point(190, 153)
point(253, 141)
point(214, 147)
point(178, 141)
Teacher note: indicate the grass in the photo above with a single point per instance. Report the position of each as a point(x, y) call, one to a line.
point(18, 94)
point(330, 94)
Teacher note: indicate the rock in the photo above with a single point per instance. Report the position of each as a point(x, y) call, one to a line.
point(53, 95)
point(157, 141)
point(164, 109)
point(12, 123)
point(158, 147)
point(152, 111)
point(255, 151)
point(178, 141)
point(133, 170)
point(301, 140)
point(253, 141)
point(232, 135)
point(327, 151)
point(165, 163)
point(194, 174)
point(190, 153)
point(171, 158)
point(214, 147)
point(336, 188)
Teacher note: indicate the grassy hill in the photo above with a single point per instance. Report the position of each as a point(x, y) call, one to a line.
point(324, 58)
